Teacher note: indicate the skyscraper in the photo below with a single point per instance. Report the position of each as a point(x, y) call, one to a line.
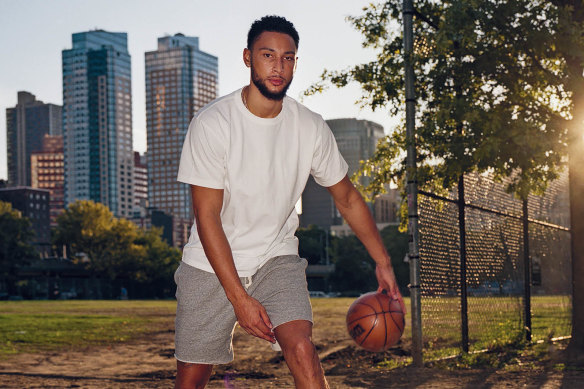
point(26, 125)
point(97, 121)
point(180, 79)
point(46, 169)
point(357, 141)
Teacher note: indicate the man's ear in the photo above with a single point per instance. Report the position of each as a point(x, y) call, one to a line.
point(247, 57)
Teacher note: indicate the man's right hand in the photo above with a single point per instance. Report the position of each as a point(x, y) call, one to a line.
point(251, 315)
point(253, 318)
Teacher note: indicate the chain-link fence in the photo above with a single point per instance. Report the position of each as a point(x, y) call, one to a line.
point(473, 269)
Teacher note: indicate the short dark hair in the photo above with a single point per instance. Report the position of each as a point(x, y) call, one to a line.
point(271, 23)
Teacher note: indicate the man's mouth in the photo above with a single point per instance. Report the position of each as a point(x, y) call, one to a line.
point(276, 81)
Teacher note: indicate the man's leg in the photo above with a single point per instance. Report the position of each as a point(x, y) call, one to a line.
point(192, 375)
point(203, 326)
point(295, 338)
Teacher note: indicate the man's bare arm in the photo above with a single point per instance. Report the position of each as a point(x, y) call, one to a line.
point(251, 315)
point(354, 210)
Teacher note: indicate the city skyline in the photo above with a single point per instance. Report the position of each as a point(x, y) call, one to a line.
point(35, 32)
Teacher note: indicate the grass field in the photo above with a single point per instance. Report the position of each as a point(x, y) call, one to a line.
point(30, 326)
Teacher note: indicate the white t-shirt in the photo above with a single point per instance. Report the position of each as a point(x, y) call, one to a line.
point(262, 165)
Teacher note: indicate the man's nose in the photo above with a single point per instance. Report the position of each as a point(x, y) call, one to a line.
point(279, 65)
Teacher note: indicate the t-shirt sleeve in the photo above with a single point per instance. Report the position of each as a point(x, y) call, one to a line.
point(202, 161)
point(328, 165)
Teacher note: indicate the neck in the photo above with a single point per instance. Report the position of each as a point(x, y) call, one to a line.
point(260, 105)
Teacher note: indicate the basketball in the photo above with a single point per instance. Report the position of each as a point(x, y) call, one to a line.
point(375, 321)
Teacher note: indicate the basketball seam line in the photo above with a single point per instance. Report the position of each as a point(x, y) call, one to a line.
point(374, 313)
point(370, 330)
point(384, 322)
point(403, 326)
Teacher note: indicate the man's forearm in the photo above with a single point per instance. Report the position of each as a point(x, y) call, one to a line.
point(354, 210)
point(357, 214)
point(218, 252)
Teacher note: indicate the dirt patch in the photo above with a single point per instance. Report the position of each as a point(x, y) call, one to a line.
point(149, 363)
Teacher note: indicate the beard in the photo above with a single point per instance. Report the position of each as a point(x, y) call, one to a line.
point(261, 85)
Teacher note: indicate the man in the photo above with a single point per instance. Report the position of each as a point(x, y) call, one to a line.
point(247, 157)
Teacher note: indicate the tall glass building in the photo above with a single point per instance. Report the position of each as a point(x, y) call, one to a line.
point(26, 125)
point(97, 121)
point(180, 79)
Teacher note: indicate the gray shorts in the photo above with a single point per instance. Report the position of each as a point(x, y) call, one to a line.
point(205, 319)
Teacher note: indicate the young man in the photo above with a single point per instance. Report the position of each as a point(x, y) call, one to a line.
point(247, 157)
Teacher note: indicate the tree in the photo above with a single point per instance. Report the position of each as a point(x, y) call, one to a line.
point(92, 233)
point(483, 104)
point(312, 243)
point(159, 263)
point(119, 255)
point(116, 248)
point(80, 229)
point(15, 247)
point(354, 268)
point(397, 247)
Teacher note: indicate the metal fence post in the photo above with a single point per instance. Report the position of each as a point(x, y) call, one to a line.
point(412, 187)
point(462, 236)
point(527, 272)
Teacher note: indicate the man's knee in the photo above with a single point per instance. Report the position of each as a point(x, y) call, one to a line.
point(192, 375)
point(302, 349)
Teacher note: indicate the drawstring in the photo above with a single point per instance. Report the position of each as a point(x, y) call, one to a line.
point(246, 282)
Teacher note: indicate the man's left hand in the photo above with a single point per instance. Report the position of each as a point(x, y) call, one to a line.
point(386, 280)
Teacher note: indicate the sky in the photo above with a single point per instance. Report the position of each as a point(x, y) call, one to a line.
point(34, 32)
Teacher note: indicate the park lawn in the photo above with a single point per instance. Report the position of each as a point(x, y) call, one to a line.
point(551, 316)
point(41, 326)
point(31, 326)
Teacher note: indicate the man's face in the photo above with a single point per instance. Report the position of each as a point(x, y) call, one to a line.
point(272, 59)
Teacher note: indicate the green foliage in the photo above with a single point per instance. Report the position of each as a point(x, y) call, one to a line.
point(159, 262)
point(15, 247)
point(355, 269)
point(312, 243)
point(394, 363)
point(81, 229)
point(91, 231)
point(487, 96)
point(116, 248)
point(396, 243)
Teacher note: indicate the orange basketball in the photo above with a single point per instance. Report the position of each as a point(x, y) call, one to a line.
point(375, 321)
